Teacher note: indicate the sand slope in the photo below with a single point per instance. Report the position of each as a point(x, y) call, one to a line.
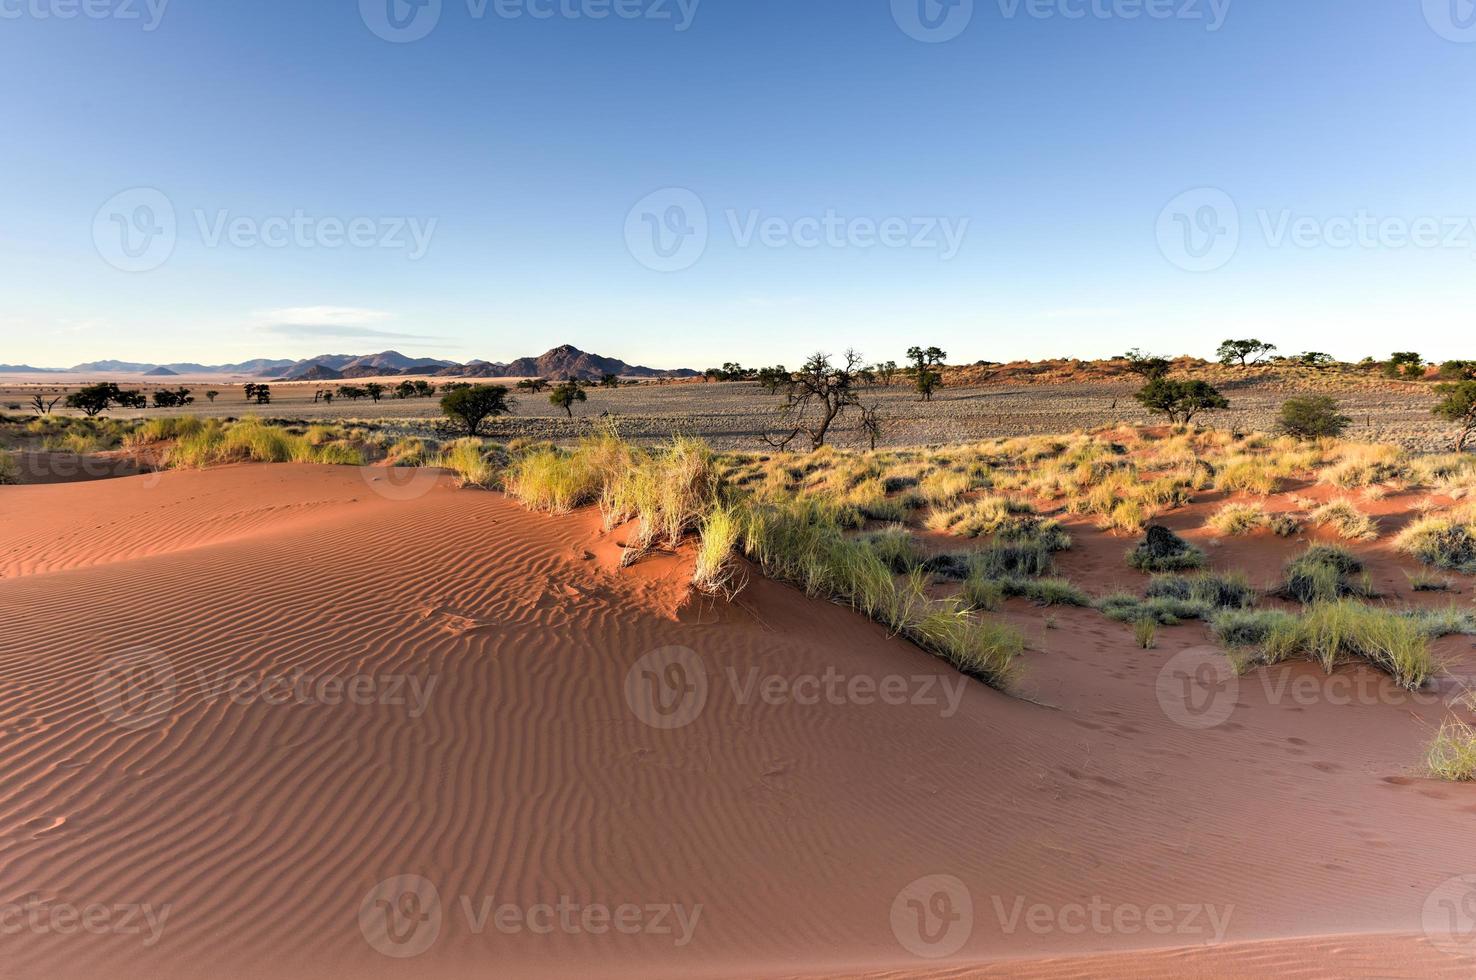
point(508, 766)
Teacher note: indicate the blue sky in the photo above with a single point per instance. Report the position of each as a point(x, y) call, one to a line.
point(1020, 171)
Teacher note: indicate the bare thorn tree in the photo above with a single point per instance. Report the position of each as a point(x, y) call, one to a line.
point(815, 396)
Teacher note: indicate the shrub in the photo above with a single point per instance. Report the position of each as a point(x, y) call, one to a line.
point(1235, 519)
point(1028, 558)
point(1231, 590)
point(1350, 523)
point(1322, 574)
point(1145, 633)
point(1284, 525)
point(1452, 754)
point(1312, 417)
point(1164, 551)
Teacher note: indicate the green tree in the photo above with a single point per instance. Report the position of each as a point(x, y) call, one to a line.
point(1148, 366)
point(1243, 352)
point(534, 385)
point(1458, 405)
point(1405, 364)
point(1312, 417)
point(405, 389)
point(353, 392)
point(565, 395)
point(773, 378)
point(95, 399)
point(925, 377)
point(374, 390)
point(211, 395)
point(1180, 400)
point(608, 380)
point(471, 406)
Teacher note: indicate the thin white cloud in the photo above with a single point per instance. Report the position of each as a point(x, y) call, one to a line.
point(330, 321)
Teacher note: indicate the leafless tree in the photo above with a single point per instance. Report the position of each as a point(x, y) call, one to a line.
point(815, 396)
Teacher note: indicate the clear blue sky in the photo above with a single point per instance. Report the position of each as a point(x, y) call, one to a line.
point(528, 141)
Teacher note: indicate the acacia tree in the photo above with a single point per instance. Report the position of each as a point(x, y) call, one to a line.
point(211, 395)
point(1458, 405)
point(773, 378)
point(535, 385)
point(470, 406)
point(566, 394)
point(1180, 400)
point(886, 373)
point(1244, 352)
point(1148, 366)
point(924, 360)
point(815, 396)
point(374, 390)
point(871, 423)
point(95, 399)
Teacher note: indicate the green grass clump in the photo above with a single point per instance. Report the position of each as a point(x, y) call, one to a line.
point(715, 572)
point(1250, 627)
point(1452, 754)
point(981, 517)
point(1229, 590)
point(9, 471)
point(469, 460)
point(800, 540)
point(896, 547)
point(1450, 621)
point(1124, 607)
point(1350, 522)
point(553, 480)
point(1235, 519)
point(1443, 540)
point(1331, 633)
point(165, 429)
point(1323, 573)
point(1145, 633)
point(1026, 558)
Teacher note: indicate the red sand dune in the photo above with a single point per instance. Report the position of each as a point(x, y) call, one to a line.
point(510, 767)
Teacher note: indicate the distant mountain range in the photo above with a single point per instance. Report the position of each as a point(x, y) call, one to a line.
point(561, 363)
